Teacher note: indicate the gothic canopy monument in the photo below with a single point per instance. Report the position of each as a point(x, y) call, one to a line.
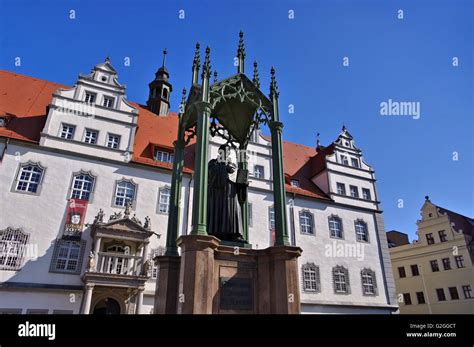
point(209, 276)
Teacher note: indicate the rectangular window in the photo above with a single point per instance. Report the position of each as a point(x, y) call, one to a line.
point(430, 238)
point(453, 292)
point(446, 263)
point(401, 272)
point(91, 136)
point(440, 294)
point(271, 218)
point(467, 291)
point(67, 256)
point(344, 160)
point(67, 131)
point(311, 278)
point(407, 298)
point(63, 311)
point(165, 157)
point(258, 171)
point(459, 261)
point(12, 248)
point(442, 236)
point(434, 265)
point(341, 188)
point(90, 98)
point(37, 311)
point(124, 193)
point(164, 200)
point(420, 296)
point(113, 141)
point(366, 194)
point(355, 162)
point(306, 222)
point(414, 270)
point(108, 102)
point(354, 191)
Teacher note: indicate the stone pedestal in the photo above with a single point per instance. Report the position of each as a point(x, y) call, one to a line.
point(166, 294)
point(196, 280)
point(214, 278)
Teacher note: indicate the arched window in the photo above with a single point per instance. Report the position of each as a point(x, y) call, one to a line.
point(340, 276)
point(362, 233)
point(369, 283)
point(306, 222)
point(29, 178)
point(165, 93)
point(310, 278)
point(125, 191)
point(82, 185)
point(335, 227)
point(12, 248)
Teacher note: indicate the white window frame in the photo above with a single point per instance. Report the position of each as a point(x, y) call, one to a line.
point(354, 191)
point(70, 253)
point(311, 281)
point(122, 197)
point(86, 97)
point(358, 231)
point(333, 231)
point(341, 191)
point(13, 244)
point(163, 205)
point(259, 171)
point(163, 156)
point(27, 176)
point(88, 137)
point(366, 194)
point(306, 220)
point(69, 135)
point(271, 218)
point(108, 100)
point(356, 161)
point(369, 282)
point(295, 183)
point(113, 141)
point(344, 160)
point(80, 192)
point(341, 280)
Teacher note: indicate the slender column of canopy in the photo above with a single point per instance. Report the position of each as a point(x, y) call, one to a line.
point(201, 160)
point(279, 193)
point(176, 183)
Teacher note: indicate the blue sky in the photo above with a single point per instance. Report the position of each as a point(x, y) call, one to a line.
point(407, 59)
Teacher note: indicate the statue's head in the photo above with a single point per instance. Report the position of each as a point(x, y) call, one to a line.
point(224, 153)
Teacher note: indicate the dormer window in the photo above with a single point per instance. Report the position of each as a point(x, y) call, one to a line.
point(3, 122)
point(163, 156)
point(108, 102)
point(90, 98)
point(295, 183)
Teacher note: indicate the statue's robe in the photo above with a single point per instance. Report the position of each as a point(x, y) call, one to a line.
point(224, 214)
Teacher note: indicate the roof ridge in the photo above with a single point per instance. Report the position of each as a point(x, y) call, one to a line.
point(449, 211)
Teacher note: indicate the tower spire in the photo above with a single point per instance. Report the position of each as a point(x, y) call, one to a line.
point(165, 52)
point(196, 64)
point(256, 78)
point(206, 67)
point(241, 54)
point(215, 76)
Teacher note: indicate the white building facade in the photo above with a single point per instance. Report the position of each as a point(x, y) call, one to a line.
point(88, 144)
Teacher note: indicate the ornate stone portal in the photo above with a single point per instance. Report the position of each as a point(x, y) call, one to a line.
point(217, 271)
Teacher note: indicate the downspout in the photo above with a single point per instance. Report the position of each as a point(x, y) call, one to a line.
point(7, 140)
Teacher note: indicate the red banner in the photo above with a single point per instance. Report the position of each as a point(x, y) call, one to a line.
point(75, 214)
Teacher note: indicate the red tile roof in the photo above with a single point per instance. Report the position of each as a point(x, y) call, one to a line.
point(27, 98)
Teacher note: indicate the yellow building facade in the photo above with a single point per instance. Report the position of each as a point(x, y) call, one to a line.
point(435, 274)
